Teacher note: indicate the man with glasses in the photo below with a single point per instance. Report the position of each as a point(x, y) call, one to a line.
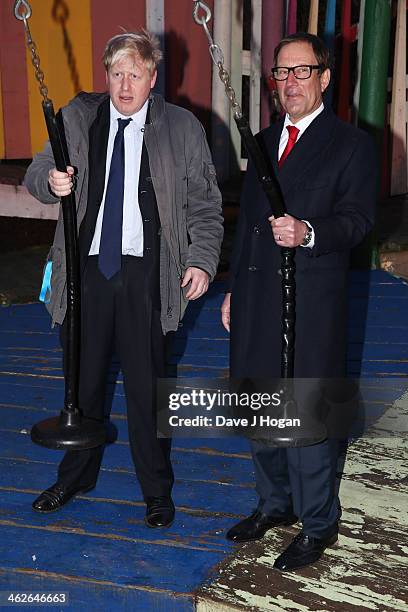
point(327, 172)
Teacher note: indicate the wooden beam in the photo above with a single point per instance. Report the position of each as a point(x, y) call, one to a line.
point(155, 23)
point(344, 89)
point(329, 37)
point(360, 38)
point(240, 66)
point(291, 22)
point(273, 20)
point(313, 17)
point(2, 148)
point(398, 120)
point(256, 71)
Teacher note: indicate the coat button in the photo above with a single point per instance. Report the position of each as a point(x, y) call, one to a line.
point(146, 220)
point(257, 229)
point(252, 268)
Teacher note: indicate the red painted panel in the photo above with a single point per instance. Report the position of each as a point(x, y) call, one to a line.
point(188, 63)
point(107, 20)
point(14, 84)
point(343, 109)
point(291, 25)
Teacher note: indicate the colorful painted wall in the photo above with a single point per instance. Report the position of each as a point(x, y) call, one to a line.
point(70, 36)
point(368, 38)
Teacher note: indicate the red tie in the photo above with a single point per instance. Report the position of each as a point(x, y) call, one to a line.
point(293, 134)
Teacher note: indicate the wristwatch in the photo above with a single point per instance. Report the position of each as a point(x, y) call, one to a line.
point(308, 235)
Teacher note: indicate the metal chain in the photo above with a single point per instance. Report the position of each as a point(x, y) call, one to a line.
point(217, 55)
point(22, 12)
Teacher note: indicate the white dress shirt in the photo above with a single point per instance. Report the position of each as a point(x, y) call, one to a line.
point(132, 227)
point(301, 125)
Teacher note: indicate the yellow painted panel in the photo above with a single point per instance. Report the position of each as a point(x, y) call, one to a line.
point(2, 150)
point(67, 65)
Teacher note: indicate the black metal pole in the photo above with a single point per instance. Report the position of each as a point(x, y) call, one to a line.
point(273, 193)
point(312, 430)
point(70, 430)
point(72, 269)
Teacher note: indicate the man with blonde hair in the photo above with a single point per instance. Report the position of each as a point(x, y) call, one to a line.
point(150, 230)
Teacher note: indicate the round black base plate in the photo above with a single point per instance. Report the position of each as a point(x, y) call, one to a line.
point(54, 433)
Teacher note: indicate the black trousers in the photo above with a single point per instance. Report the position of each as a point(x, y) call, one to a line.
point(119, 316)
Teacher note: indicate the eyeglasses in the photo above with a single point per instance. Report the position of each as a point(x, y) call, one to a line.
point(281, 73)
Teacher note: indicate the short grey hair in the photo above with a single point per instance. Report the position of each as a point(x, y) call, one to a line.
point(143, 45)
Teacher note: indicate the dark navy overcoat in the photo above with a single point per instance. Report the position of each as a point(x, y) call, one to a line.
point(330, 179)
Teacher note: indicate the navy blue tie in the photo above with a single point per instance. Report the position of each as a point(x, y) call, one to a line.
point(110, 248)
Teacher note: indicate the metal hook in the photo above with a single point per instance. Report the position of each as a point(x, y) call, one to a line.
point(204, 18)
point(18, 5)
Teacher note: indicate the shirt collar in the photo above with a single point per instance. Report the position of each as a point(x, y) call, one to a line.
point(305, 122)
point(138, 119)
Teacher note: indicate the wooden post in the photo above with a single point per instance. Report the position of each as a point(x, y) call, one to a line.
point(255, 68)
point(155, 24)
point(273, 19)
point(329, 37)
point(220, 125)
point(399, 106)
point(356, 95)
point(373, 85)
point(374, 66)
point(2, 147)
point(313, 16)
point(291, 22)
point(330, 25)
point(344, 89)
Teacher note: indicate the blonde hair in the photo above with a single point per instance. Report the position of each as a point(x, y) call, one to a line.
point(143, 45)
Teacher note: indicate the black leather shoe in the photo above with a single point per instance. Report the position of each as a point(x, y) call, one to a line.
point(303, 550)
point(56, 496)
point(159, 512)
point(255, 526)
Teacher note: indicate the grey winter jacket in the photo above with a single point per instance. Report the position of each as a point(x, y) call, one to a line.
point(184, 180)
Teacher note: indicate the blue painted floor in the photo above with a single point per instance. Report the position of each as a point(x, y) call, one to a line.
point(97, 548)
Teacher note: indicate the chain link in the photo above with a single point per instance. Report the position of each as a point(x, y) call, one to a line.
point(35, 58)
point(217, 55)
